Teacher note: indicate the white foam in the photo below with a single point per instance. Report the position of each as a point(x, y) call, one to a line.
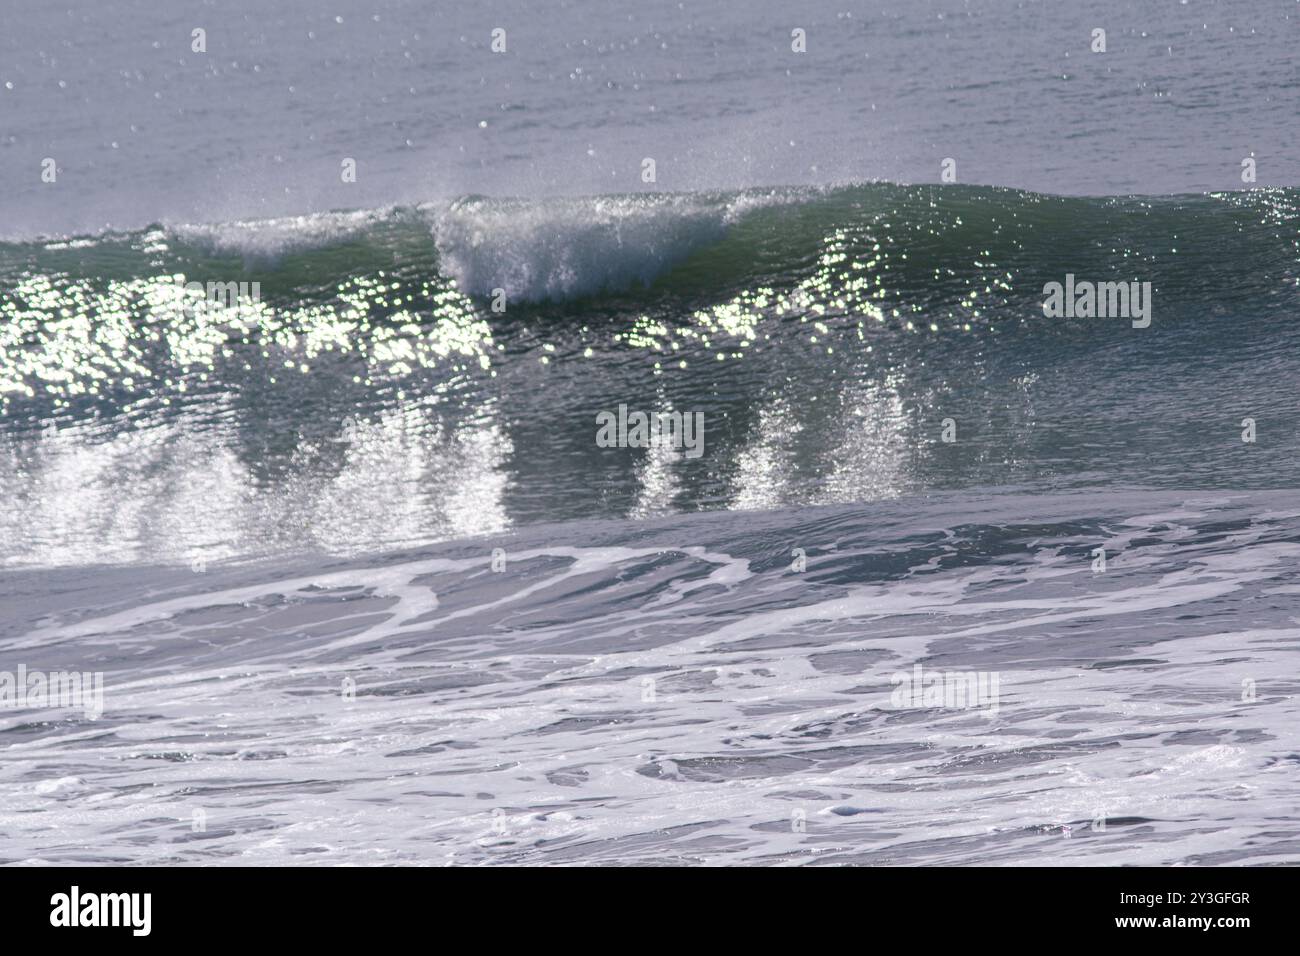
point(269, 238)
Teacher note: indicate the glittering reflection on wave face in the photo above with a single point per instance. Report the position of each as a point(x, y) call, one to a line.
point(411, 374)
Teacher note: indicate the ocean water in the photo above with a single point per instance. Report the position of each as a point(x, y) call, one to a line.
point(309, 473)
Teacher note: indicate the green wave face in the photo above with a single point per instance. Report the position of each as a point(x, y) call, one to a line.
point(828, 337)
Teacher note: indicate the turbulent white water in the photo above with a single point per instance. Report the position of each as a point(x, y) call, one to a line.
point(673, 691)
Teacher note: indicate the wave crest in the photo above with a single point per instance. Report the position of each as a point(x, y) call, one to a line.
point(558, 249)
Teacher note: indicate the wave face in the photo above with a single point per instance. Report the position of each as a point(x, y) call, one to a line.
point(402, 374)
point(675, 691)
